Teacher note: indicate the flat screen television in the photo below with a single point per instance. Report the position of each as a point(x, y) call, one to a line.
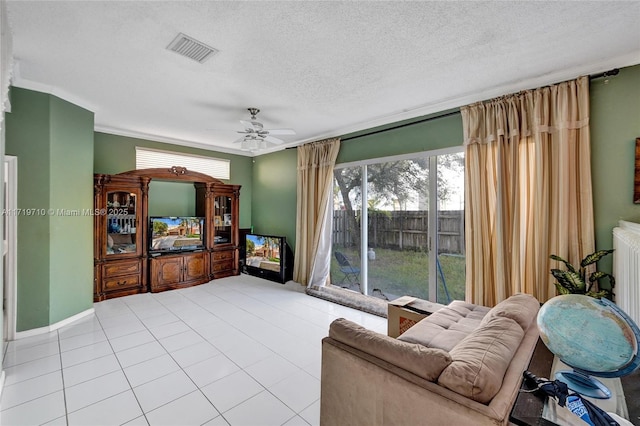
point(269, 257)
point(174, 234)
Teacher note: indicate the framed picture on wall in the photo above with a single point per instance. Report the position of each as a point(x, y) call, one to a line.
point(636, 179)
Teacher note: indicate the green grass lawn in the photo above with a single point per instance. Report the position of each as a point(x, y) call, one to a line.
point(399, 273)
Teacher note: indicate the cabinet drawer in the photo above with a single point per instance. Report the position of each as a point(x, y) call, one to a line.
point(223, 255)
point(125, 281)
point(222, 265)
point(120, 268)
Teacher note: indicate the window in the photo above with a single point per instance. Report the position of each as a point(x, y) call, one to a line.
point(147, 158)
point(399, 222)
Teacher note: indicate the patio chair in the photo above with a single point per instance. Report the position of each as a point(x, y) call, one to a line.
point(351, 273)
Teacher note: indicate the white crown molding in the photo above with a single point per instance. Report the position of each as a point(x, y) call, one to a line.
point(23, 83)
point(164, 139)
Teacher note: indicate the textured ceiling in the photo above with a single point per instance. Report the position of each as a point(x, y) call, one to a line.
point(322, 68)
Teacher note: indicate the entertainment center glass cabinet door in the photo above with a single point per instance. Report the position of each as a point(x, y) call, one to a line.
point(223, 220)
point(224, 254)
point(122, 238)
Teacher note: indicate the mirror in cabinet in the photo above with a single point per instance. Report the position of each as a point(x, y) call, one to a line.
point(223, 220)
point(121, 222)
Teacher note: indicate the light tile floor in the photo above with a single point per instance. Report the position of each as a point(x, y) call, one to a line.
point(235, 351)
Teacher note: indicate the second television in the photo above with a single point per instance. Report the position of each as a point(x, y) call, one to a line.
point(269, 257)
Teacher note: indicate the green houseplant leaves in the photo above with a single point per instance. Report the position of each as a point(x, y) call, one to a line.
point(573, 281)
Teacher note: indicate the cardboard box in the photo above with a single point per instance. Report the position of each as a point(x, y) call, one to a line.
point(406, 311)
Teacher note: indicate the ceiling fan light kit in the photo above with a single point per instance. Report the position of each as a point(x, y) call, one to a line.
point(252, 144)
point(256, 136)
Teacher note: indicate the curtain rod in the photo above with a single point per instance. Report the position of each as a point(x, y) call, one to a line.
point(448, 114)
point(609, 73)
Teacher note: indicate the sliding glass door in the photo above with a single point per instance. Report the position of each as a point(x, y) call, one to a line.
point(398, 227)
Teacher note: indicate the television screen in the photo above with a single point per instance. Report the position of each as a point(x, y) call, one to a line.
point(176, 233)
point(263, 252)
point(268, 257)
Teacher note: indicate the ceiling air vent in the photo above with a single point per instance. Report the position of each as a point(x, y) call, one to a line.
point(191, 48)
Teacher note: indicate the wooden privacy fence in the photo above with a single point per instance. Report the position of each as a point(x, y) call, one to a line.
point(403, 230)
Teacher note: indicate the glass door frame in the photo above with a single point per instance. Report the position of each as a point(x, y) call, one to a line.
point(432, 245)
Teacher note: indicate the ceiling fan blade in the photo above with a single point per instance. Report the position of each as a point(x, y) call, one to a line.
point(248, 126)
point(273, 140)
point(239, 140)
point(282, 132)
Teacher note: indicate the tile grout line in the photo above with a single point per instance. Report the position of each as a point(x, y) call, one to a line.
point(123, 373)
point(241, 368)
point(245, 299)
point(64, 388)
point(296, 414)
point(182, 368)
point(174, 360)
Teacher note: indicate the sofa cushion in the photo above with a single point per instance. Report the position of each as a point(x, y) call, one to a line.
point(425, 362)
point(522, 308)
point(446, 327)
point(480, 360)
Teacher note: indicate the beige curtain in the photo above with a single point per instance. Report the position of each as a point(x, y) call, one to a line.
point(315, 182)
point(527, 189)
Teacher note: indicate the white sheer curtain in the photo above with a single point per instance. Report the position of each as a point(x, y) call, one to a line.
point(322, 265)
point(315, 182)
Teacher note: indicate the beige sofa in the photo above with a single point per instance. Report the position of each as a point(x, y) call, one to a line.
point(461, 365)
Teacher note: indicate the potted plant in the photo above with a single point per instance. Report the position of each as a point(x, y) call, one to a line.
point(573, 280)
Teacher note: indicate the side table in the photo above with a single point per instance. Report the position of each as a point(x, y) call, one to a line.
point(529, 407)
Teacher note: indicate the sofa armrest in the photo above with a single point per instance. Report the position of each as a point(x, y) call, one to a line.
point(424, 362)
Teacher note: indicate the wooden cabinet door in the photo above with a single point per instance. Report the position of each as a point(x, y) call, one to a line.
point(194, 266)
point(167, 270)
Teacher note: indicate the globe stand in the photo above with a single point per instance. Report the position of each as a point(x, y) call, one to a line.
point(584, 384)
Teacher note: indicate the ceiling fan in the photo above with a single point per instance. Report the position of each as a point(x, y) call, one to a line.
point(256, 136)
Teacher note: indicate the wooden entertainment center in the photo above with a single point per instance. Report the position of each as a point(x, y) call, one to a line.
point(124, 263)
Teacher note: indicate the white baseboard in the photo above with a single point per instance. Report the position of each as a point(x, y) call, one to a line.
point(53, 327)
point(2, 377)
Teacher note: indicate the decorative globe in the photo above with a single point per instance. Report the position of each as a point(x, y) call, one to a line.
point(593, 336)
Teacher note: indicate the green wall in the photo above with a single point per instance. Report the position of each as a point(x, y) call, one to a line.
point(172, 198)
point(273, 206)
point(71, 188)
point(117, 154)
point(435, 133)
point(615, 125)
point(28, 133)
point(53, 141)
